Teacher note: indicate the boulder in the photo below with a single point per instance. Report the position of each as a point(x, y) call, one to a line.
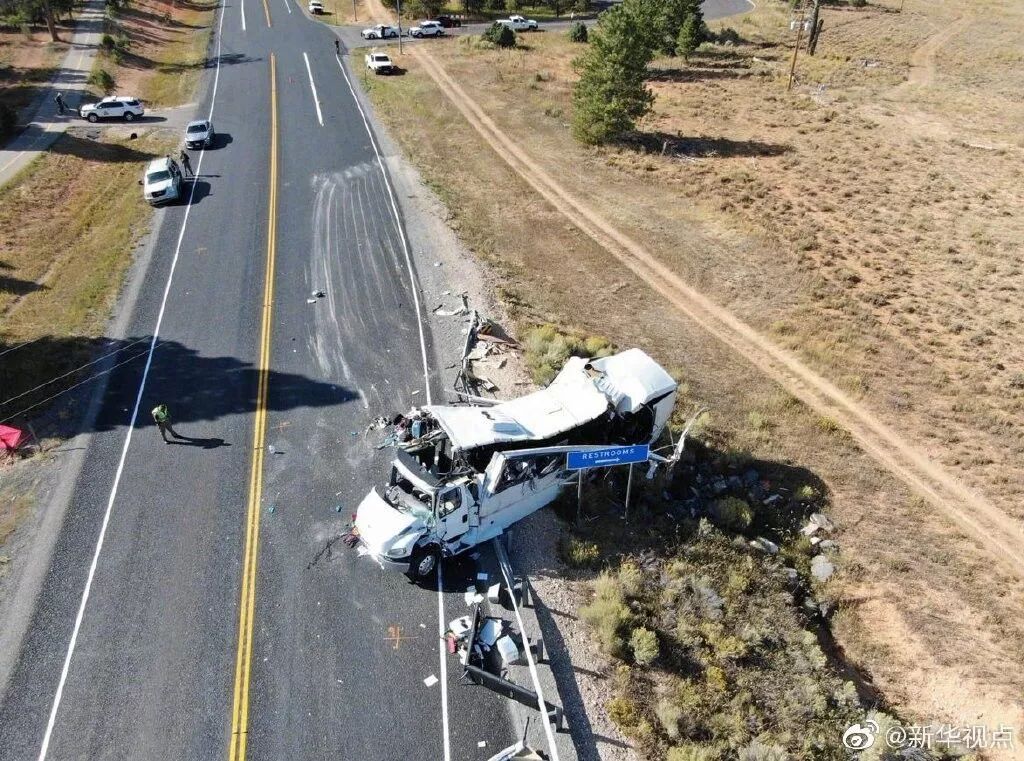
point(822, 568)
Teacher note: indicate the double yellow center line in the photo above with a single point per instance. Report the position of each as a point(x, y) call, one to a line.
point(246, 616)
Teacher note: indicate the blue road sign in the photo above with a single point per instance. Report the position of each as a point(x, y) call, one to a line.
point(603, 458)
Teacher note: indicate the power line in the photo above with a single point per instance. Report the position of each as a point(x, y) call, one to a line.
point(72, 372)
point(70, 388)
point(21, 345)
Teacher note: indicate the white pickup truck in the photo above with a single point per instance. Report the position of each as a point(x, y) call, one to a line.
point(379, 63)
point(469, 472)
point(519, 23)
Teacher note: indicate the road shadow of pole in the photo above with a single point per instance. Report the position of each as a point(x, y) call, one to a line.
point(197, 388)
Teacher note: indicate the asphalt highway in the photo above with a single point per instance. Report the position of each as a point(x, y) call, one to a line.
point(338, 650)
point(198, 604)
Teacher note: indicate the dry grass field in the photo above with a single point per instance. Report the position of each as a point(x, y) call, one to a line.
point(161, 48)
point(870, 221)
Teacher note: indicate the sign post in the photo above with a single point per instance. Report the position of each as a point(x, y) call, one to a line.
point(579, 496)
point(605, 457)
point(629, 489)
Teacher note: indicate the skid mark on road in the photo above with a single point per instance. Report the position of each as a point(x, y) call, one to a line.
point(356, 261)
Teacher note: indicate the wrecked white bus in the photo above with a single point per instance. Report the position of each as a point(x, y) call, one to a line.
point(463, 474)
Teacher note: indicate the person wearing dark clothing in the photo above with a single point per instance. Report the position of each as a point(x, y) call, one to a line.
point(337, 47)
point(162, 418)
point(60, 103)
point(186, 163)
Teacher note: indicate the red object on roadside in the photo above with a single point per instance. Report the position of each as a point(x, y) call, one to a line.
point(11, 438)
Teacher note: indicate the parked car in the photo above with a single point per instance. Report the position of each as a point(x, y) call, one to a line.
point(519, 23)
point(199, 134)
point(448, 21)
point(379, 63)
point(113, 107)
point(427, 29)
point(379, 32)
point(162, 181)
point(316, 7)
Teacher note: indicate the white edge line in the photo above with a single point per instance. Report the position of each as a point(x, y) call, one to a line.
point(241, 4)
point(426, 384)
point(312, 86)
point(288, 6)
point(443, 666)
point(506, 571)
point(44, 748)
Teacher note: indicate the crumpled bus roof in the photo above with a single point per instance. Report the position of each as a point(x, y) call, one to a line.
point(576, 396)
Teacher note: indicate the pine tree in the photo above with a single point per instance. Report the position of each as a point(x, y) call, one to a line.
point(691, 33)
point(611, 93)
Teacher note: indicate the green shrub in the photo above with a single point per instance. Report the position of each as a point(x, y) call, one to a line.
point(631, 579)
point(608, 614)
point(597, 346)
point(760, 751)
point(623, 712)
point(102, 79)
point(547, 348)
point(692, 752)
point(728, 36)
point(580, 554)
point(107, 43)
point(500, 35)
point(669, 714)
point(732, 513)
point(578, 32)
point(644, 644)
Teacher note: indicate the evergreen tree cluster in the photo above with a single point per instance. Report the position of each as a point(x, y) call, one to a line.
point(611, 94)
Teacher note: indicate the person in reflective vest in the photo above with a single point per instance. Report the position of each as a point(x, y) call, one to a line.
point(162, 418)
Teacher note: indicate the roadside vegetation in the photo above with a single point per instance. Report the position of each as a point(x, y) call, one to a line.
point(486, 10)
point(154, 49)
point(61, 272)
point(846, 219)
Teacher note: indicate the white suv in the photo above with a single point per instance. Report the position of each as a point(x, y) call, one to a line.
point(427, 29)
point(162, 181)
point(114, 107)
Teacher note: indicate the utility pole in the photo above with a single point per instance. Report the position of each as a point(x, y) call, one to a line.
point(800, 21)
point(398, 7)
point(354, 16)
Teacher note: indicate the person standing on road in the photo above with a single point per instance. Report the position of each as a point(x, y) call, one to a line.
point(162, 418)
point(337, 47)
point(59, 98)
point(186, 162)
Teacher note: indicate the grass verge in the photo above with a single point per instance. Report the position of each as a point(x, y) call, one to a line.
point(60, 273)
point(157, 49)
